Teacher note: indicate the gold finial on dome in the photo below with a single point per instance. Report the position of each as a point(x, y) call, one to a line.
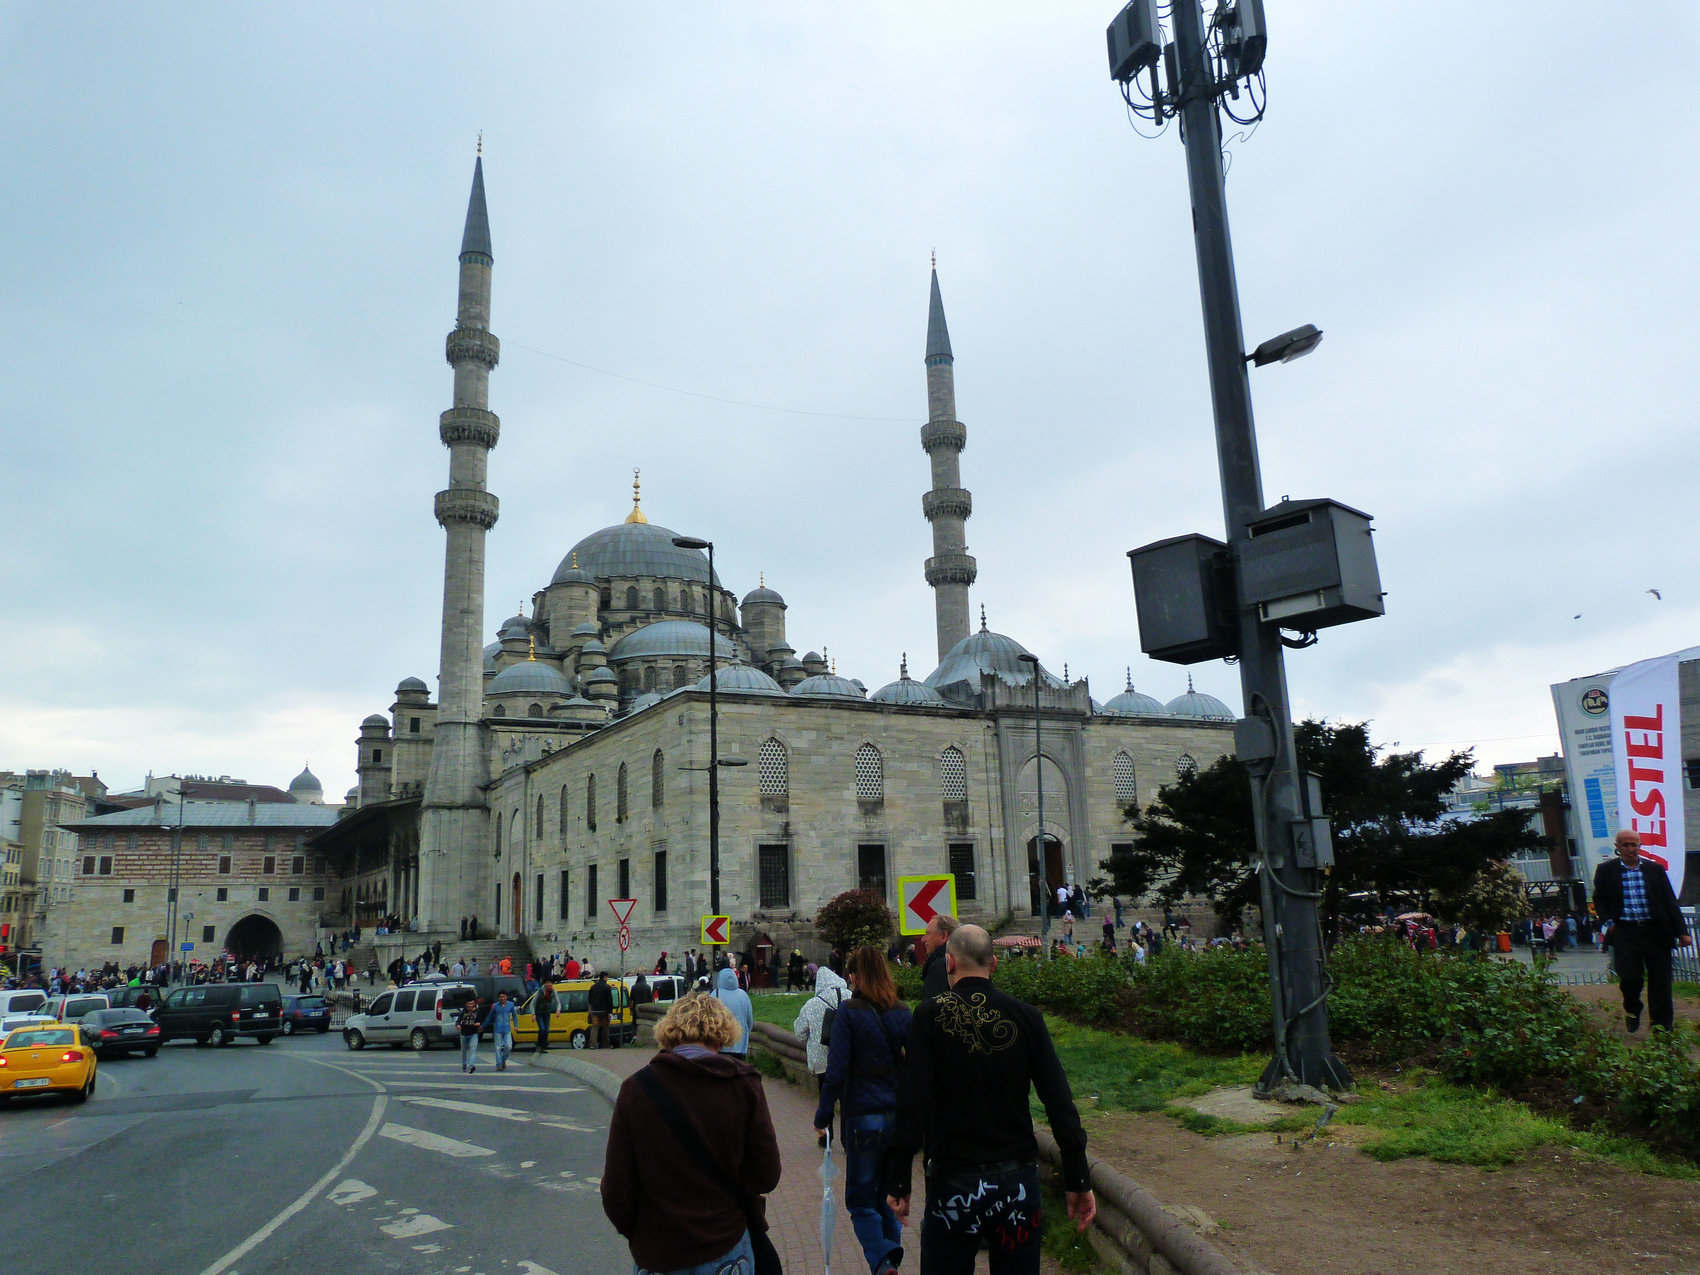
point(531, 657)
point(636, 514)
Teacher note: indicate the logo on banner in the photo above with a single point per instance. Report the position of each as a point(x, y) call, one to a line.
point(1594, 701)
point(1647, 749)
point(924, 898)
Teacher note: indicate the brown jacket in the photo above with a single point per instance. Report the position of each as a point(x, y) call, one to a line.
point(670, 1211)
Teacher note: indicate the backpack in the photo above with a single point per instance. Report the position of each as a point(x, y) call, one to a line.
point(831, 1014)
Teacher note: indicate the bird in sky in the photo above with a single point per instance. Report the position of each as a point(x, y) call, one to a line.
point(1657, 594)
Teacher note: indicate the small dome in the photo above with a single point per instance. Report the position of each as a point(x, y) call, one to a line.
point(813, 657)
point(600, 675)
point(1198, 704)
point(593, 647)
point(671, 638)
point(377, 721)
point(587, 630)
point(644, 701)
point(826, 686)
point(755, 597)
point(1130, 703)
point(907, 691)
point(305, 782)
point(410, 684)
point(742, 679)
point(529, 677)
point(515, 621)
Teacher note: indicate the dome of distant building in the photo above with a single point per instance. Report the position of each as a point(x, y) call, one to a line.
point(1198, 704)
point(634, 549)
point(307, 789)
point(742, 679)
point(1132, 703)
point(411, 684)
point(826, 686)
point(377, 720)
point(762, 594)
point(671, 638)
point(906, 691)
point(529, 677)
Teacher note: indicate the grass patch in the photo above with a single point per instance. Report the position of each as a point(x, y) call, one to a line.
point(1069, 1248)
point(778, 1008)
point(1112, 1072)
point(769, 1064)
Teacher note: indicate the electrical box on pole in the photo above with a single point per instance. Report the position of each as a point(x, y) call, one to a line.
point(1183, 594)
point(1244, 38)
point(1135, 39)
point(1308, 564)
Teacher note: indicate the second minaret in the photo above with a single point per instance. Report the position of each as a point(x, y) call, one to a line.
point(948, 505)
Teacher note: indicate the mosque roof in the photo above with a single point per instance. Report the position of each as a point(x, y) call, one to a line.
point(1198, 704)
point(1131, 703)
point(826, 686)
point(411, 684)
point(634, 549)
point(600, 675)
point(907, 691)
point(587, 628)
point(376, 719)
point(669, 638)
point(644, 701)
point(529, 677)
point(306, 781)
point(742, 679)
point(762, 594)
point(958, 674)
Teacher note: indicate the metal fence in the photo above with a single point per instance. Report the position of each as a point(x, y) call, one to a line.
point(1685, 962)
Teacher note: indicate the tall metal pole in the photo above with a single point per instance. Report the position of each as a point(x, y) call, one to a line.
point(1291, 922)
point(713, 750)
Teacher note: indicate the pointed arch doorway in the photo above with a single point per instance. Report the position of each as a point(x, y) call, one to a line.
point(1044, 871)
point(518, 905)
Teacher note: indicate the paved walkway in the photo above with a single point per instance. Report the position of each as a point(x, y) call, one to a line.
point(793, 1210)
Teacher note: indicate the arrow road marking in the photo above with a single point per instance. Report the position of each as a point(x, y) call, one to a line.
point(427, 1141)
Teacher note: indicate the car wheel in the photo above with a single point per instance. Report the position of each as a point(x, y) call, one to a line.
point(82, 1095)
point(353, 1039)
point(419, 1040)
point(288, 1027)
point(323, 1028)
point(266, 1038)
point(218, 1036)
point(200, 1040)
point(151, 1052)
point(578, 1040)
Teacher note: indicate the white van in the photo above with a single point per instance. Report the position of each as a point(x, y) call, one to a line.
point(418, 1015)
point(24, 1001)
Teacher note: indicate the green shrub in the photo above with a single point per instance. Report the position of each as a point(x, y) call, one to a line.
point(908, 980)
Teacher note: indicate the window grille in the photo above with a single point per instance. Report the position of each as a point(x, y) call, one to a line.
point(870, 869)
point(620, 795)
point(953, 775)
point(590, 802)
point(657, 779)
point(538, 830)
point(660, 881)
point(962, 868)
point(775, 877)
point(772, 770)
point(870, 774)
point(563, 814)
point(1187, 766)
point(1122, 771)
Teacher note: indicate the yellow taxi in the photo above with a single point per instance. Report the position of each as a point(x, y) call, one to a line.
point(569, 1021)
point(46, 1058)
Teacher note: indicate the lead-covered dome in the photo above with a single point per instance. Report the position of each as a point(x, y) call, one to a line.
point(762, 594)
point(741, 679)
point(826, 686)
point(1132, 703)
point(958, 674)
point(1198, 704)
point(670, 638)
point(410, 684)
point(306, 784)
point(634, 549)
point(529, 677)
point(906, 691)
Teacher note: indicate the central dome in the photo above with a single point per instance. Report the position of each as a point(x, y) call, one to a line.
point(634, 549)
point(957, 677)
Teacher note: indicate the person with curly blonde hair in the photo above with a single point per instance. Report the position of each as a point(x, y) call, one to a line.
point(691, 1151)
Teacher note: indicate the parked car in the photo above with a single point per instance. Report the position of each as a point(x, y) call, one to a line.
point(70, 1007)
point(663, 987)
point(217, 1013)
point(52, 1058)
point(25, 1000)
point(306, 1013)
point(569, 1024)
point(132, 997)
point(10, 1021)
point(117, 1031)
point(485, 985)
point(419, 1015)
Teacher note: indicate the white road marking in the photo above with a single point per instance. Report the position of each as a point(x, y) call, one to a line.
point(439, 1084)
point(524, 1164)
point(351, 1191)
point(532, 1268)
point(470, 1108)
point(427, 1141)
point(427, 1248)
point(566, 1124)
point(421, 1224)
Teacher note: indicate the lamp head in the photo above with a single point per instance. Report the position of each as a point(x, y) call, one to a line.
point(1287, 347)
point(692, 542)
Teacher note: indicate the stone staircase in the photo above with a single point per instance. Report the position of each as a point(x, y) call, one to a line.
point(488, 951)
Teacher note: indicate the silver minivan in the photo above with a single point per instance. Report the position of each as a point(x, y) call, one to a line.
point(419, 1015)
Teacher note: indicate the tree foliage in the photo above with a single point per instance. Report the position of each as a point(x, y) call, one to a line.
point(1390, 842)
point(854, 918)
point(1495, 899)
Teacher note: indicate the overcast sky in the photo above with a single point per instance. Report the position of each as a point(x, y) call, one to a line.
point(234, 231)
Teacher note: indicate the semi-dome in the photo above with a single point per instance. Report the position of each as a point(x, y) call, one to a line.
point(906, 691)
point(306, 783)
point(1131, 703)
point(741, 679)
point(634, 549)
point(1198, 704)
point(826, 686)
point(587, 630)
point(410, 684)
point(669, 638)
point(958, 674)
point(529, 677)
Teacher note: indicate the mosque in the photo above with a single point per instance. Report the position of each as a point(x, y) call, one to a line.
point(567, 762)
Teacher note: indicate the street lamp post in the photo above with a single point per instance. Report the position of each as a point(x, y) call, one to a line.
point(1046, 897)
point(694, 542)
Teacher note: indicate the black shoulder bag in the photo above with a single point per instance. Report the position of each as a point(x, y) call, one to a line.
point(761, 1244)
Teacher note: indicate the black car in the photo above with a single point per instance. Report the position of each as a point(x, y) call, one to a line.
point(217, 1013)
point(306, 1013)
point(111, 1032)
point(132, 997)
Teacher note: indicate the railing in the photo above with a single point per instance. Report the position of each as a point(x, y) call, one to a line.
point(1685, 962)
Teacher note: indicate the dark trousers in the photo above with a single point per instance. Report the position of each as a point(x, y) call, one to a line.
point(542, 1038)
point(1641, 954)
point(995, 1208)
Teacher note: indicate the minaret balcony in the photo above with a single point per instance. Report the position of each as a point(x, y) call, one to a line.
point(469, 425)
point(936, 434)
point(946, 502)
point(473, 345)
point(468, 505)
point(951, 568)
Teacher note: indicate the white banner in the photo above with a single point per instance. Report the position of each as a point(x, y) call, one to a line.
point(1585, 730)
point(1646, 733)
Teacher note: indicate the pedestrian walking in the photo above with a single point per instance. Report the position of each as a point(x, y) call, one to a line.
point(972, 1056)
point(736, 999)
point(1642, 924)
point(934, 981)
point(470, 1023)
point(500, 1021)
point(543, 1008)
point(830, 992)
point(691, 1152)
point(863, 1063)
point(601, 1005)
point(463, 929)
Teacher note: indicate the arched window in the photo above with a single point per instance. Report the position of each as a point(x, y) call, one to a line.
point(686, 601)
point(1121, 770)
point(563, 814)
point(631, 597)
point(537, 831)
point(590, 802)
point(1187, 766)
point(536, 710)
point(620, 794)
point(772, 770)
point(660, 598)
point(657, 779)
point(498, 836)
point(725, 608)
point(681, 676)
point(516, 833)
point(870, 774)
point(649, 679)
point(501, 710)
point(953, 775)
point(607, 597)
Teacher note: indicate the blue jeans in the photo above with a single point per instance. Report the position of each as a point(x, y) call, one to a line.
point(866, 1138)
point(739, 1261)
point(504, 1047)
point(967, 1209)
point(469, 1050)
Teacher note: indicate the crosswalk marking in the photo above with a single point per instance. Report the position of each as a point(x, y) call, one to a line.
point(473, 1084)
point(427, 1141)
point(470, 1108)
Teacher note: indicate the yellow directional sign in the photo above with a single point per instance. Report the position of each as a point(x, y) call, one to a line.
point(716, 929)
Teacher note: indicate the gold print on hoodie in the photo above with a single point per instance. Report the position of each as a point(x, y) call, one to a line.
point(981, 1029)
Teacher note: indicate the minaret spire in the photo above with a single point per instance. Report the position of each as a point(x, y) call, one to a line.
point(948, 505)
point(454, 861)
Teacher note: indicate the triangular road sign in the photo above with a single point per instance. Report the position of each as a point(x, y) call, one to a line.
point(622, 909)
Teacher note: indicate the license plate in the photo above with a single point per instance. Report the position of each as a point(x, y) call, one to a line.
point(31, 1084)
point(134, 1031)
point(316, 1013)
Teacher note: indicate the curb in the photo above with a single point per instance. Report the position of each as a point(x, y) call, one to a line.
point(603, 1081)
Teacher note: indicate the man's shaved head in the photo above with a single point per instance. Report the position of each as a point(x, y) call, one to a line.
point(972, 948)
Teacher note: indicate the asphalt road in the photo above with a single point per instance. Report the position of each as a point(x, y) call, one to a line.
point(304, 1156)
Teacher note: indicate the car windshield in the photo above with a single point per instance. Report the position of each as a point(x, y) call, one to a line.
point(309, 1002)
point(29, 1039)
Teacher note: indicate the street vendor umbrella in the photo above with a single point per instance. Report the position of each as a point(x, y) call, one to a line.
point(1017, 940)
point(1413, 916)
point(828, 1215)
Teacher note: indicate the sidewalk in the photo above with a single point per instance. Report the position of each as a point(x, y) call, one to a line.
point(793, 1209)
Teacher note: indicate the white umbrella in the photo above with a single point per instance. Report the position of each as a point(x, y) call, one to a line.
point(828, 1215)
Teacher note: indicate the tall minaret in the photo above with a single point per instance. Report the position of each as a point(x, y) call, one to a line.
point(454, 836)
point(947, 506)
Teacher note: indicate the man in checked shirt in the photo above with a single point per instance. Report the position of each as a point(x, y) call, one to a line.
point(1637, 906)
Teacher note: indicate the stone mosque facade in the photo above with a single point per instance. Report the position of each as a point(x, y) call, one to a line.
point(565, 762)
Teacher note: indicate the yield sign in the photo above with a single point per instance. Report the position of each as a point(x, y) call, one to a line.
point(924, 898)
point(717, 929)
point(622, 909)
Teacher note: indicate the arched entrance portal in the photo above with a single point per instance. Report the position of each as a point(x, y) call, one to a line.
point(156, 957)
point(519, 905)
point(254, 935)
point(1043, 880)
